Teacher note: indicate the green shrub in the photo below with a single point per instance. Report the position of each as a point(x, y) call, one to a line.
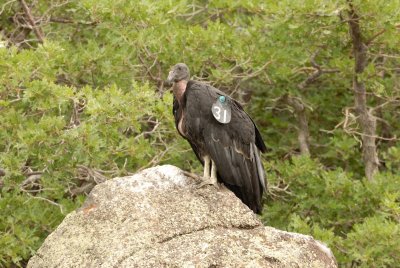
point(92, 97)
point(375, 242)
point(359, 220)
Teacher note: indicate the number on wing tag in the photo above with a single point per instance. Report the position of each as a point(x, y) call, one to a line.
point(221, 110)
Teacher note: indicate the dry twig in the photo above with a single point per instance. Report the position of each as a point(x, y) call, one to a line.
point(88, 178)
point(156, 78)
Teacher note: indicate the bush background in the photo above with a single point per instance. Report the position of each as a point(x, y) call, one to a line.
point(83, 99)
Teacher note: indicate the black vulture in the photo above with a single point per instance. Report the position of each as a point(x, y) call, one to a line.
point(221, 134)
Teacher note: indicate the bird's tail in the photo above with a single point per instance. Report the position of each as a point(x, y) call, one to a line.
point(252, 172)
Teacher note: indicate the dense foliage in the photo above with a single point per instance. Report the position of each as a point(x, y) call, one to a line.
point(83, 99)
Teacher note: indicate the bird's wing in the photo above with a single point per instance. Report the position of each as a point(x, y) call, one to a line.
point(234, 147)
point(259, 141)
point(177, 116)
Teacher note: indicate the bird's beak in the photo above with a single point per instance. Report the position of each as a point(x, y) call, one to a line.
point(170, 76)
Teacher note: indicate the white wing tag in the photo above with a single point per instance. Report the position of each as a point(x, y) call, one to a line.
point(221, 110)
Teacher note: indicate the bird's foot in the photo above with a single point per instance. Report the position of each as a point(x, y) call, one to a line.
point(203, 181)
point(207, 182)
point(192, 175)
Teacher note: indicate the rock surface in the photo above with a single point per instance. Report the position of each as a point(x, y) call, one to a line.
point(158, 218)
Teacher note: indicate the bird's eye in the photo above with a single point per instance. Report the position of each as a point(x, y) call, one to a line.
point(179, 68)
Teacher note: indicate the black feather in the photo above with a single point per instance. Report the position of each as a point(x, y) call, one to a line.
point(234, 147)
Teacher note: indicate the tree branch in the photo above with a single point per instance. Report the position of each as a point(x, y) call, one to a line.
point(317, 73)
point(69, 21)
point(372, 38)
point(36, 30)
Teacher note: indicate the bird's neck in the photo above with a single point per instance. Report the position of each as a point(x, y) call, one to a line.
point(179, 89)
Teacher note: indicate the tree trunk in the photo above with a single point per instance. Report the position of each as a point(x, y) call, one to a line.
point(302, 131)
point(365, 118)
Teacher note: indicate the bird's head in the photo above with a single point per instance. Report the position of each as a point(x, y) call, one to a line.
point(178, 73)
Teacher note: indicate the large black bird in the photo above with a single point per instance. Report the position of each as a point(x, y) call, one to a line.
point(222, 135)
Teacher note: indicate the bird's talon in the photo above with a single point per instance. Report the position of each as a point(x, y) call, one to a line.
point(192, 175)
point(206, 183)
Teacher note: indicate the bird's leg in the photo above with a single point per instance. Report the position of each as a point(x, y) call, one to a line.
point(206, 167)
point(213, 173)
point(207, 178)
